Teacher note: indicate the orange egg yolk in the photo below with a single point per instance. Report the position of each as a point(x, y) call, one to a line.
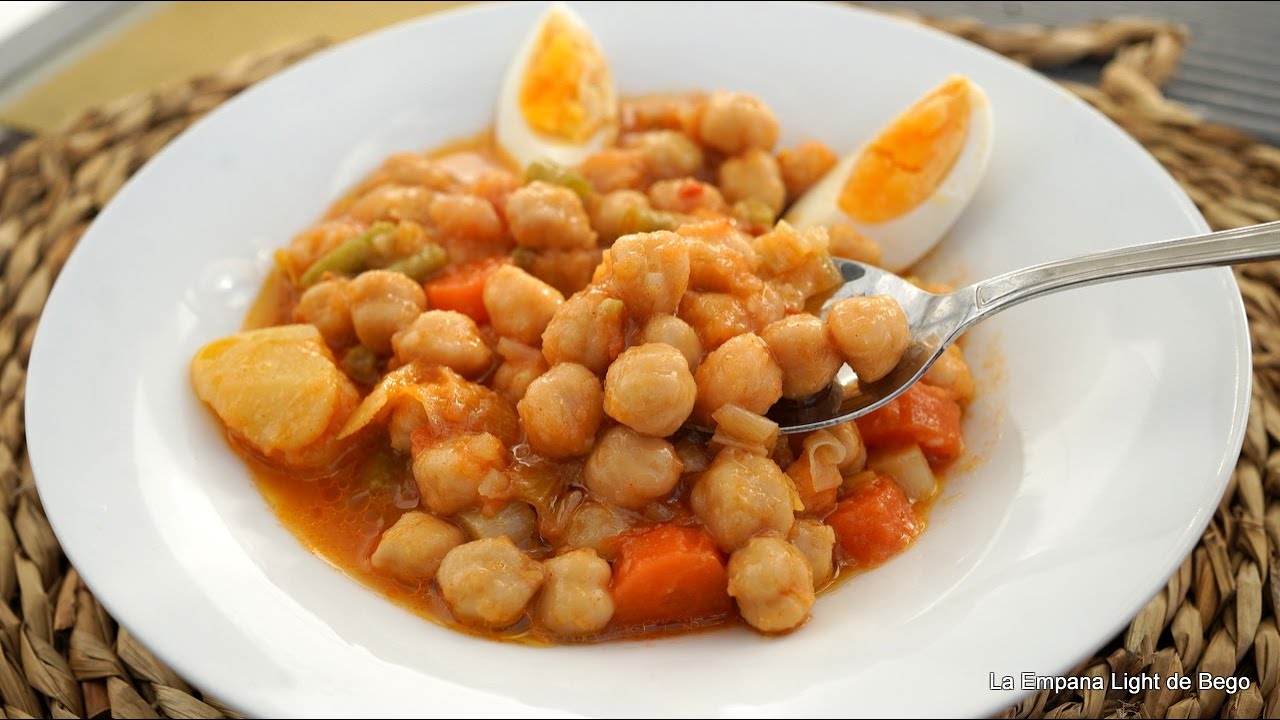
point(564, 91)
point(905, 165)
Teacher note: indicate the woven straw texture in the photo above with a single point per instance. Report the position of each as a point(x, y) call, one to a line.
point(62, 655)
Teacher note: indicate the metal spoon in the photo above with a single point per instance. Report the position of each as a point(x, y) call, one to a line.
point(937, 320)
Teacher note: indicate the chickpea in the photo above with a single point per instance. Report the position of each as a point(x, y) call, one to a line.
point(804, 165)
point(742, 372)
point(804, 350)
point(413, 547)
point(444, 337)
point(562, 410)
point(742, 495)
point(393, 202)
point(658, 110)
point(721, 268)
point(754, 175)
point(568, 271)
point(765, 304)
point(650, 389)
point(546, 216)
point(786, 249)
point(650, 272)
point(614, 214)
point(772, 583)
point(950, 372)
point(382, 304)
point(449, 473)
point(631, 470)
point(615, 169)
point(494, 185)
point(715, 317)
point(846, 242)
point(519, 304)
point(520, 366)
point(872, 333)
point(687, 196)
point(816, 541)
point(734, 122)
point(597, 526)
point(489, 582)
point(575, 598)
point(722, 234)
point(410, 168)
point(469, 226)
point(667, 153)
point(588, 329)
point(326, 306)
point(671, 330)
point(603, 271)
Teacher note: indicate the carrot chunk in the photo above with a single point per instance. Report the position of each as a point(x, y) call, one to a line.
point(462, 288)
point(669, 574)
point(925, 415)
point(874, 522)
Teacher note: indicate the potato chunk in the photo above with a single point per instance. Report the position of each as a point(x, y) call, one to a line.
point(279, 391)
point(413, 547)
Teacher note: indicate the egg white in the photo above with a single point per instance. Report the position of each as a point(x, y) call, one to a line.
point(908, 237)
point(525, 144)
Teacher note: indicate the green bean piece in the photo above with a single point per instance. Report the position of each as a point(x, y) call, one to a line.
point(611, 306)
point(523, 257)
point(383, 470)
point(637, 220)
point(753, 212)
point(361, 365)
point(421, 264)
point(557, 174)
point(352, 255)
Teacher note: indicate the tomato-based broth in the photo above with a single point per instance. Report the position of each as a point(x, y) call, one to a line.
point(530, 403)
point(340, 517)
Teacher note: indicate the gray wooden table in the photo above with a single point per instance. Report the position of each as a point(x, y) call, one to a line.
point(1230, 71)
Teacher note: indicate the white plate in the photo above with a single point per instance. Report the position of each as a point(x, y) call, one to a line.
point(1111, 419)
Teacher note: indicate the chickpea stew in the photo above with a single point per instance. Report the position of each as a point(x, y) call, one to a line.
point(478, 389)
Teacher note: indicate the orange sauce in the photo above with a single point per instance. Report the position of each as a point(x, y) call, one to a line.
point(340, 515)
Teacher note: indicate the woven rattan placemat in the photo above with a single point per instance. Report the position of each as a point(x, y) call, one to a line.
point(62, 655)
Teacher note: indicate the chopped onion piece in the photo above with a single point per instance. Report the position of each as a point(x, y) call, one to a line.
point(739, 428)
point(825, 453)
point(908, 467)
point(855, 452)
point(517, 521)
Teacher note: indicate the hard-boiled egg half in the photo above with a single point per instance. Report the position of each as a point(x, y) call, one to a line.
point(557, 100)
point(905, 188)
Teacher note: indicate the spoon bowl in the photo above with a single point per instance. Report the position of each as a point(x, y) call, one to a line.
point(936, 321)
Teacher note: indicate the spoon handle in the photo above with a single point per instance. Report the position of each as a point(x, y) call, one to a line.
point(1228, 247)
